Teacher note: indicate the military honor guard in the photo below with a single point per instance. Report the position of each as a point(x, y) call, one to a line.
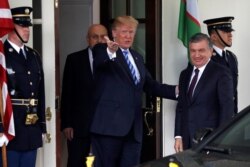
point(220, 31)
point(26, 88)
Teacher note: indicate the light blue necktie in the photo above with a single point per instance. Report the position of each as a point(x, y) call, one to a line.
point(131, 67)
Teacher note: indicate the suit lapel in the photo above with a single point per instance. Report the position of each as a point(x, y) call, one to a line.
point(231, 62)
point(187, 81)
point(217, 58)
point(15, 55)
point(28, 53)
point(203, 80)
point(84, 59)
point(139, 64)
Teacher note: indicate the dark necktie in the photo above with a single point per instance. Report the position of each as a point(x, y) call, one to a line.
point(21, 53)
point(224, 57)
point(131, 67)
point(193, 83)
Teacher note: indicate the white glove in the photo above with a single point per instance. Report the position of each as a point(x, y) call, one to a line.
point(3, 139)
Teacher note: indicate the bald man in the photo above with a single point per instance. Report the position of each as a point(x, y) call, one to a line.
point(77, 88)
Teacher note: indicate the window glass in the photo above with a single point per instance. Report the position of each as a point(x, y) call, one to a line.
point(118, 8)
point(138, 8)
point(139, 41)
point(236, 137)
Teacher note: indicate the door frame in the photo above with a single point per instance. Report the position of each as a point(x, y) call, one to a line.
point(46, 155)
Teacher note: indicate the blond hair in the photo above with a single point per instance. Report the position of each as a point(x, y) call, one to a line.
point(125, 20)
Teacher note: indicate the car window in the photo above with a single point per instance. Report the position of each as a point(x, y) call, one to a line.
point(236, 137)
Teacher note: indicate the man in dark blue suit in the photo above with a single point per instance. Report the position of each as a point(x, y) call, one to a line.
point(220, 31)
point(207, 102)
point(121, 78)
point(77, 89)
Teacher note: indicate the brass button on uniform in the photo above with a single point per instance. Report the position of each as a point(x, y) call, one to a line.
point(29, 72)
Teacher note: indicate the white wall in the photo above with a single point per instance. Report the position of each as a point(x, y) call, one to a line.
point(47, 156)
point(96, 12)
point(175, 59)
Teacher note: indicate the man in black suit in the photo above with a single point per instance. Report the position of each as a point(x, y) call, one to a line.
point(26, 87)
point(121, 78)
point(77, 88)
point(220, 31)
point(205, 93)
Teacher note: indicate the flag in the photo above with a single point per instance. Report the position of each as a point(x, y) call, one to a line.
point(6, 25)
point(189, 23)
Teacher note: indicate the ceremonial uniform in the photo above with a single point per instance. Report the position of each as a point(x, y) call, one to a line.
point(25, 80)
point(232, 64)
point(229, 59)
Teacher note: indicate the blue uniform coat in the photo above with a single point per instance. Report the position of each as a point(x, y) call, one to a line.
point(233, 66)
point(25, 81)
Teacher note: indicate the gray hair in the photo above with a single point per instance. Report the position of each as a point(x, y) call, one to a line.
point(200, 37)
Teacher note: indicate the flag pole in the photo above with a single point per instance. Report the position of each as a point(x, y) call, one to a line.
point(4, 154)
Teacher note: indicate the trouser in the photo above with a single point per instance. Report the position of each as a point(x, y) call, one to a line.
point(78, 150)
point(110, 151)
point(20, 158)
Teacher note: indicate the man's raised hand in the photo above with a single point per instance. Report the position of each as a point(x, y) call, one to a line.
point(112, 46)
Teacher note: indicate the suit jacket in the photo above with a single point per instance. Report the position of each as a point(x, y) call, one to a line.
point(233, 66)
point(211, 105)
point(25, 81)
point(76, 94)
point(117, 100)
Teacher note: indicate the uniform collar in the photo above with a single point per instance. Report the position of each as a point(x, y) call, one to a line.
point(218, 50)
point(17, 48)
